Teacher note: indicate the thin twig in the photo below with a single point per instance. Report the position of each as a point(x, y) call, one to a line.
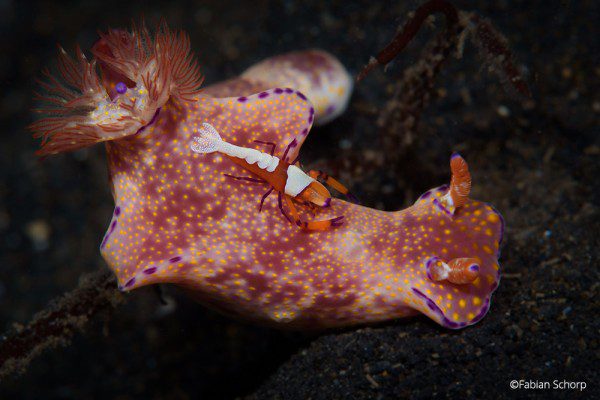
point(55, 325)
point(402, 39)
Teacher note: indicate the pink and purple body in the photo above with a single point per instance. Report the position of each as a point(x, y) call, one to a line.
point(179, 220)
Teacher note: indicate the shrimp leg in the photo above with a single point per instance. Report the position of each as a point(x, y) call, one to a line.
point(311, 225)
point(245, 178)
point(273, 145)
point(317, 174)
point(262, 200)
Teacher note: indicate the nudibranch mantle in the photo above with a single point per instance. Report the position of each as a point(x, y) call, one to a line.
point(179, 220)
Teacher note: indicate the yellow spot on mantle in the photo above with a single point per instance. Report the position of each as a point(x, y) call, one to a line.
point(493, 218)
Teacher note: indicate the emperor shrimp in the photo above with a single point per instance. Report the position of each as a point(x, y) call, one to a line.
point(290, 182)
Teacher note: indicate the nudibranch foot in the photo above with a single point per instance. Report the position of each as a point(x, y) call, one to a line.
point(315, 74)
point(321, 77)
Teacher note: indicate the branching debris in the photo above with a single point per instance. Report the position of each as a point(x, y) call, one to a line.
point(400, 117)
point(55, 325)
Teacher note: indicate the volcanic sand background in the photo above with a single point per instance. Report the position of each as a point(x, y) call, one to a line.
point(537, 162)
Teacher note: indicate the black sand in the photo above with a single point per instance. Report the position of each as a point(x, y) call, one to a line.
point(537, 162)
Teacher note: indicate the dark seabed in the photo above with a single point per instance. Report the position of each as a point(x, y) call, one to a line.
point(537, 161)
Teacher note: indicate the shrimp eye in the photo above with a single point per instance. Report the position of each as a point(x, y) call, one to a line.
point(121, 87)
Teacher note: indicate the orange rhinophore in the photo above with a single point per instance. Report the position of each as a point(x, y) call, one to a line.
point(458, 270)
point(460, 186)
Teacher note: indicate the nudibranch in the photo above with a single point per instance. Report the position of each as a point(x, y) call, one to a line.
point(178, 219)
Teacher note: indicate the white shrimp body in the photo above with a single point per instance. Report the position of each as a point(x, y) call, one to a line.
point(210, 141)
point(297, 181)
